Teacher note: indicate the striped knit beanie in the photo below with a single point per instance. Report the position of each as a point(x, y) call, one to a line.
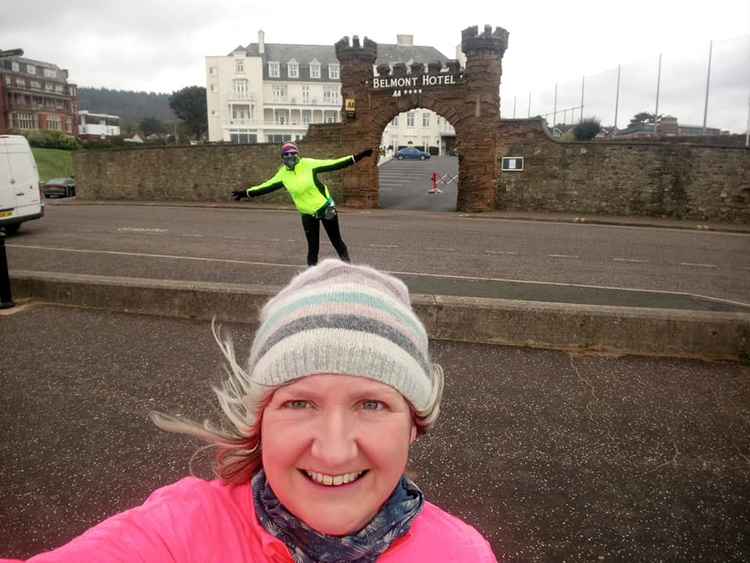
point(339, 318)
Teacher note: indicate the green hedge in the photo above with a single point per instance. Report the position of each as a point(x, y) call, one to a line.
point(50, 140)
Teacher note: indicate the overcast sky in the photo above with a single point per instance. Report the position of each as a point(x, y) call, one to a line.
point(161, 45)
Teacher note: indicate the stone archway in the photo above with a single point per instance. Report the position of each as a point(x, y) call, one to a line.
point(469, 98)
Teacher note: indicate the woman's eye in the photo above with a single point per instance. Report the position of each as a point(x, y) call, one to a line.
point(373, 405)
point(297, 404)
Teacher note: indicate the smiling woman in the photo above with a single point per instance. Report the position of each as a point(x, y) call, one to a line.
point(311, 460)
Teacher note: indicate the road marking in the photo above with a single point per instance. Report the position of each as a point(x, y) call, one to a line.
point(383, 245)
point(140, 230)
point(192, 235)
point(508, 252)
point(563, 256)
point(146, 255)
point(441, 249)
point(394, 272)
point(694, 265)
point(633, 260)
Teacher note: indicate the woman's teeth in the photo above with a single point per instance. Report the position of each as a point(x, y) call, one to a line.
point(333, 480)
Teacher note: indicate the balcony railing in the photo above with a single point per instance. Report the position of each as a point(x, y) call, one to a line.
point(301, 102)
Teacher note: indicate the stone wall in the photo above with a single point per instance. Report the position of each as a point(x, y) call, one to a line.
point(195, 173)
point(617, 178)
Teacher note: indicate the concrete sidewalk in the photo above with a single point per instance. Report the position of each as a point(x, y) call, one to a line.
point(554, 456)
point(579, 327)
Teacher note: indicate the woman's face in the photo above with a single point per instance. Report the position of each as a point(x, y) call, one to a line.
point(334, 447)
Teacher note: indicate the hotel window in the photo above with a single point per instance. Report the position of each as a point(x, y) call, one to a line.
point(58, 88)
point(31, 69)
point(50, 73)
point(22, 120)
point(8, 80)
point(212, 70)
point(292, 69)
point(425, 119)
point(240, 86)
point(305, 94)
point(241, 112)
point(273, 70)
point(278, 91)
point(306, 117)
point(333, 71)
point(410, 119)
point(15, 67)
point(314, 69)
point(36, 84)
point(49, 86)
point(53, 122)
point(239, 66)
point(330, 95)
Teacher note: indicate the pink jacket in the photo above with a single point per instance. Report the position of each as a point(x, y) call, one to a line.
point(209, 522)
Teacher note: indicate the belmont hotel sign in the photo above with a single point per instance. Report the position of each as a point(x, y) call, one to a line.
point(414, 84)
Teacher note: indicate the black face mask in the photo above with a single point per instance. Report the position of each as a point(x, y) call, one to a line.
point(290, 160)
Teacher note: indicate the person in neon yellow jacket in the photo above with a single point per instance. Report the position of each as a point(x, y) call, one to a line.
point(310, 195)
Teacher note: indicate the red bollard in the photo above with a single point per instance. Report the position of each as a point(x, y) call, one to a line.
point(434, 183)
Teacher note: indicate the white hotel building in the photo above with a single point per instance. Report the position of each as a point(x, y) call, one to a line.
point(271, 92)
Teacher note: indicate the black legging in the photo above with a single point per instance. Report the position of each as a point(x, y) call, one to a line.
point(312, 232)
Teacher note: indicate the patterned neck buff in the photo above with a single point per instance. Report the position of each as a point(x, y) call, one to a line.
point(308, 546)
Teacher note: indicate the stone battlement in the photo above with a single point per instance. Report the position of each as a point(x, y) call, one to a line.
point(472, 41)
point(346, 49)
point(402, 69)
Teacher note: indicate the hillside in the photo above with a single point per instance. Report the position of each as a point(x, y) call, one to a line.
point(132, 107)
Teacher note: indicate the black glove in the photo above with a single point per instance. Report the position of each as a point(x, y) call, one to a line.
point(239, 194)
point(364, 154)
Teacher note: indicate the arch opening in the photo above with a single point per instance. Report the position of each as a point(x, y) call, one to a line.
point(418, 165)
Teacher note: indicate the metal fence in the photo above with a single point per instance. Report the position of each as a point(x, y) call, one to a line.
point(705, 85)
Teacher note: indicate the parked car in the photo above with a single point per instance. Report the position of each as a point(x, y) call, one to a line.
point(20, 197)
point(59, 187)
point(412, 153)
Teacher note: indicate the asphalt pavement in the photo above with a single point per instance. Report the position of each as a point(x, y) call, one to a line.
point(436, 253)
point(553, 456)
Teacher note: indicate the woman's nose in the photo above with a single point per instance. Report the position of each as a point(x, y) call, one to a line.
point(334, 443)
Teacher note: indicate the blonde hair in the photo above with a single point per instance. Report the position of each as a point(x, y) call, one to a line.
point(242, 400)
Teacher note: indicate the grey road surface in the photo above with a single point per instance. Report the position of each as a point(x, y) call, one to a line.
point(248, 244)
point(407, 184)
point(553, 456)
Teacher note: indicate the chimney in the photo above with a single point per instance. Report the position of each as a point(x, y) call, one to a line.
point(261, 42)
point(404, 40)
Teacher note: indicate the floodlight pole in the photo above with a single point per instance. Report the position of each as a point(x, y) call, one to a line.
point(554, 108)
point(583, 81)
point(617, 96)
point(658, 85)
point(708, 83)
point(529, 114)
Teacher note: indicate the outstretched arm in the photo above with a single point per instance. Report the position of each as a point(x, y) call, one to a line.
point(338, 163)
point(270, 185)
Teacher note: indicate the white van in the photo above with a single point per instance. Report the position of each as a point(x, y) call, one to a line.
point(20, 196)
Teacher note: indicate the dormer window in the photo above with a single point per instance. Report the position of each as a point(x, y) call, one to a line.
point(273, 70)
point(333, 71)
point(292, 69)
point(314, 69)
